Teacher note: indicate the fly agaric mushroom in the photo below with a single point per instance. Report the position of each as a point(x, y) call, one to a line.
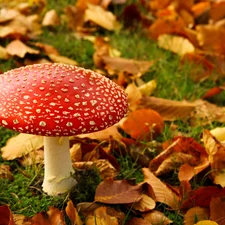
point(58, 100)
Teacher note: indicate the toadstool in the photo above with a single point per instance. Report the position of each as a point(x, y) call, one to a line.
point(56, 101)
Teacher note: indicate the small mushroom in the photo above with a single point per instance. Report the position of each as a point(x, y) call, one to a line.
point(59, 100)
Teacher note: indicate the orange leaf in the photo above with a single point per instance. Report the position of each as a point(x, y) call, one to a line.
point(212, 92)
point(195, 212)
point(156, 217)
point(217, 209)
point(102, 217)
point(72, 213)
point(162, 192)
point(145, 204)
point(117, 192)
point(53, 217)
point(143, 124)
point(6, 217)
point(138, 221)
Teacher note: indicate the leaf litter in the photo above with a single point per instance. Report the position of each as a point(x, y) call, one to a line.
point(192, 29)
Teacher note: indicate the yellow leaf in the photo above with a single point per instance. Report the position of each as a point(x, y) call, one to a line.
point(206, 222)
point(219, 133)
point(101, 17)
point(148, 88)
point(176, 44)
point(51, 18)
point(18, 48)
point(21, 145)
point(62, 59)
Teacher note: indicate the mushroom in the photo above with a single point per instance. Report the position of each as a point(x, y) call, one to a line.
point(56, 101)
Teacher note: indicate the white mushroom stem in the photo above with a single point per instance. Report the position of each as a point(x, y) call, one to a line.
point(58, 166)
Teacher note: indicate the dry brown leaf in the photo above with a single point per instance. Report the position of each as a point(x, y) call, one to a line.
point(21, 145)
point(51, 18)
point(20, 219)
point(145, 204)
point(62, 59)
point(117, 192)
point(156, 217)
point(217, 209)
point(32, 158)
point(195, 212)
point(3, 53)
point(211, 38)
point(48, 49)
point(72, 213)
point(76, 153)
point(172, 162)
point(5, 172)
point(101, 17)
point(168, 109)
point(175, 44)
point(187, 172)
point(104, 134)
point(143, 124)
point(130, 66)
point(19, 49)
point(138, 221)
point(102, 217)
point(52, 217)
point(162, 192)
point(134, 96)
point(7, 14)
point(106, 169)
point(199, 111)
point(217, 11)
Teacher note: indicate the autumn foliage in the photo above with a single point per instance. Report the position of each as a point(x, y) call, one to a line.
point(195, 31)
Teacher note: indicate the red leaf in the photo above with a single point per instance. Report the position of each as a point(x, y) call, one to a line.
point(6, 217)
point(202, 197)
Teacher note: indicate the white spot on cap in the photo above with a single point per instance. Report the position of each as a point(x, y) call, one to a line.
point(93, 102)
point(92, 122)
point(4, 122)
point(42, 123)
point(38, 110)
point(26, 96)
point(64, 89)
point(15, 121)
point(42, 88)
point(77, 96)
point(66, 100)
point(69, 124)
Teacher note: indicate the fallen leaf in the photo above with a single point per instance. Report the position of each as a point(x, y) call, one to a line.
point(101, 17)
point(5, 172)
point(212, 92)
point(72, 213)
point(217, 209)
point(155, 217)
point(130, 66)
point(3, 53)
point(162, 192)
point(101, 217)
point(117, 192)
point(36, 156)
point(19, 49)
point(211, 38)
point(51, 18)
point(194, 213)
point(145, 204)
point(134, 96)
point(138, 221)
point(21, 145)
point(175, 44)
point(104, 134)
point(143, 124)
point(6, 216)
point(218, 133)
point(62, 59)
point(52, 217)
point(148, 88)
point(217, 11)
point(202, 197)
point(206, 222)
point(168, 109)
point(105, 168)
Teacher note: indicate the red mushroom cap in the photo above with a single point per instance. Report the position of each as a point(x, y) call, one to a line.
point(59, 100)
